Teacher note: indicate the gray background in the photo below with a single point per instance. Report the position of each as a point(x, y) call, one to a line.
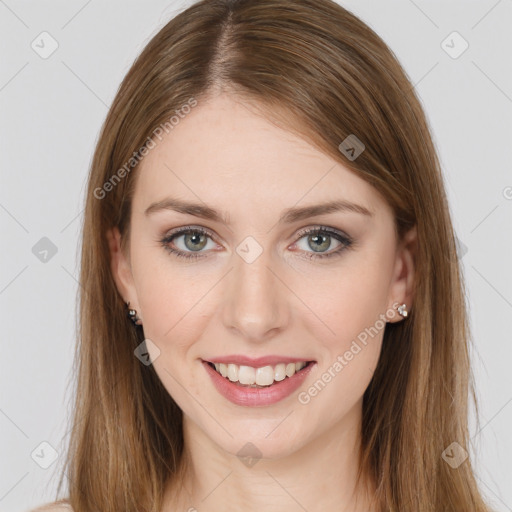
point(51, 113)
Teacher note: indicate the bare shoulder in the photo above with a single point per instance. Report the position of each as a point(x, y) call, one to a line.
point(56, 506)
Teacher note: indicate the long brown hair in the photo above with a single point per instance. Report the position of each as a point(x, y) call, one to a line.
point(322, 72)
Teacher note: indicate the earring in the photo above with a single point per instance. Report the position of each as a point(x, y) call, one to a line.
point(132, 315)
point(402, 310)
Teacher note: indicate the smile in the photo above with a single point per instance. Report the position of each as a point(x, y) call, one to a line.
point(258, 377)
point(253, 386)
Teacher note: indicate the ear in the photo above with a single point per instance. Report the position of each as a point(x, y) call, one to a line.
point(121, 268)
point(402, 285)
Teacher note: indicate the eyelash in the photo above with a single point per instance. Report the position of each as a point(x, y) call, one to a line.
point(346, 241)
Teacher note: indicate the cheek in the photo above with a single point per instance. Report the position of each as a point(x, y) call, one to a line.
point(351, 305)
point(173, 304)
point(177, 303)
point(350, 348)
point(168, 294)
point(348, 300)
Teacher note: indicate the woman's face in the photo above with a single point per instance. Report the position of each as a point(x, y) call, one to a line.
point(251, 282)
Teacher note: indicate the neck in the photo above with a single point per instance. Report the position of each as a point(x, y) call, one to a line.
point(321, 475)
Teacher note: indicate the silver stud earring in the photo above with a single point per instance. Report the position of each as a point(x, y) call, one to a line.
point(402, 310)
point(132, 315)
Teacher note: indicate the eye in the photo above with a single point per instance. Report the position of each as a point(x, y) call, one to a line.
point(320, 239)
point(189, 240)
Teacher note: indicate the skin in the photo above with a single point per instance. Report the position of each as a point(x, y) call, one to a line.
point(228, 156)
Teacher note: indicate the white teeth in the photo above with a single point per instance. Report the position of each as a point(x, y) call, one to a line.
point(232, 372)
point(246, 375)
point(290, 369)
point(264, 376)
point(280, 372)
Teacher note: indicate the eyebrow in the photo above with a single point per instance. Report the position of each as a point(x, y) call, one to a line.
point(288, 216)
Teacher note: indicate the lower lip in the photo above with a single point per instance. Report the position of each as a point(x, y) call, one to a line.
point(254, 397)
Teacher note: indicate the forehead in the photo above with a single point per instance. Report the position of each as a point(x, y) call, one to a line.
point(224, 152)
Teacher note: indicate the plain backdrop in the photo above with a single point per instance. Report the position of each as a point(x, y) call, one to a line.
point(51, 111)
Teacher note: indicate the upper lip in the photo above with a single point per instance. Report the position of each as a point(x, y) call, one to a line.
point(257, 362)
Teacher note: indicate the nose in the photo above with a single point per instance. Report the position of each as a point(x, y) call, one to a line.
point(255, 307)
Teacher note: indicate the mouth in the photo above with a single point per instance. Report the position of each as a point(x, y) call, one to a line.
point(261, 377)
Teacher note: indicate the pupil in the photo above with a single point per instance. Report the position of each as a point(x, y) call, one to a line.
point(198, 241)
point(322, 238)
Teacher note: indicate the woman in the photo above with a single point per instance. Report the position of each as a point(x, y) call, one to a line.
point(272, 311)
